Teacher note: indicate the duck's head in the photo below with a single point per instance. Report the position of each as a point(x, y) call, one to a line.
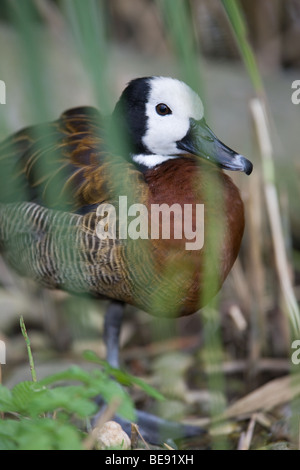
point(164, 119)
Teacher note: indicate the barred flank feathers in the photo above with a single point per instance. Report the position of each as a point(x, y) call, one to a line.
point(55, 249)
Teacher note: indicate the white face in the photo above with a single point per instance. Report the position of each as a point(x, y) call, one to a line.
point(164, 131)
point(177, 127)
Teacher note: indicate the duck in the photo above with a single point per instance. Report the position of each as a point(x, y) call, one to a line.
point(64, 192)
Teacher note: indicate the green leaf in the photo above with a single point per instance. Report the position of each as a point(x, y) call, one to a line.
point(123, 377)
point(75, 373)
point(38, 434)
point(8, 428)
point(47, 434)
point(24, 394)
point(77, 398)
point(6, 401)
point(68, 398)
point(110, 391)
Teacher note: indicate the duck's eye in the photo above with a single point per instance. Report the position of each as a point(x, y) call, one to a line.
point(162, 109)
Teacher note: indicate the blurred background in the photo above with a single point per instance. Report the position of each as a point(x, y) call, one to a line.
point(46, 67)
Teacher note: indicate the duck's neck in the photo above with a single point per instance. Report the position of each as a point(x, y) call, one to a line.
point(173, 181)
point(147, 162)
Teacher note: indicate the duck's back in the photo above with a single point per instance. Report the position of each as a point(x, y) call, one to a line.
point(51, 163)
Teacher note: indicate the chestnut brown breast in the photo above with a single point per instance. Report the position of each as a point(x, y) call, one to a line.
point(176, 280)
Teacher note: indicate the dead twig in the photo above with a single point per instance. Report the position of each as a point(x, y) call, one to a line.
point(265, 146)
point(107, 414)
point(137, 431)
point(246, 437)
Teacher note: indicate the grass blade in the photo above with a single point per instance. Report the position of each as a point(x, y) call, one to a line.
point(27, 341)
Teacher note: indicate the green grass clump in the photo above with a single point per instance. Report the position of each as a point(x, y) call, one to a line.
point(54, 413)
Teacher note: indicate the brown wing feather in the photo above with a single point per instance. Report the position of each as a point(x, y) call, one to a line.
point(62, 164)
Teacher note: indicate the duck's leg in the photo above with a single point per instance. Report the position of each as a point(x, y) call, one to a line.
point(112, 327)
point(152, 428)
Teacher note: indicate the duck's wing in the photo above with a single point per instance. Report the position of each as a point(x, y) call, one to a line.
point(62, 250)
point(62, 164)
point(53, 178)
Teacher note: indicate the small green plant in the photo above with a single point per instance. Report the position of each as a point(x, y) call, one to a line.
point(53, 413)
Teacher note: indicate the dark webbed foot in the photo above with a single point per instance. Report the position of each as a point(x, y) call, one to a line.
point(112, 328)
point(156, 430)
